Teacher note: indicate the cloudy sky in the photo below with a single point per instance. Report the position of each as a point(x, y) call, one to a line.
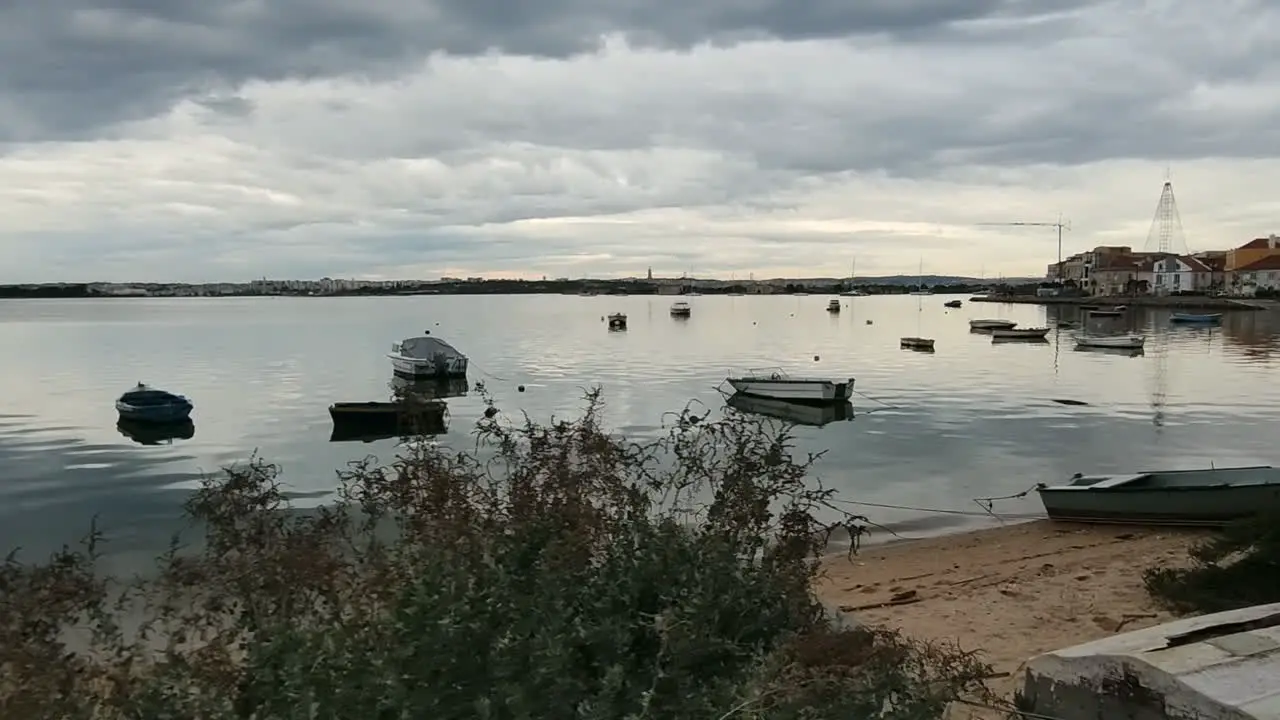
point(230, 139)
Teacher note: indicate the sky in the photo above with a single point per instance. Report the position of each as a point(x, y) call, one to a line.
point(225, 140)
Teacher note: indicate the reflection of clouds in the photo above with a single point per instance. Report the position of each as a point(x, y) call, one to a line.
point(975, 419)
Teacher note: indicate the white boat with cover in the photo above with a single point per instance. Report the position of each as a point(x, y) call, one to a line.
point(680, 308)
point(427, 356)
point(1175, 497)
point(777, 385)
point(833, 306)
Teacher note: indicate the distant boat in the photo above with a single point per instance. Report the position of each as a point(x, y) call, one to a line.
point(833, 306)
point(1019, 333)
point(1177, 497)
point(917, 343)
point(1114, 312)
point(777, 385)
point(680, 308)
point(617, 322)
point(1115, 342)
point(953, 304)
point(992, 324)
point(852, 291)
point(145, 404)
point(921, 289)
point(427, 356)
point(1182, 317)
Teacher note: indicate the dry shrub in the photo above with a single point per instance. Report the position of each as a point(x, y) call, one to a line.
point(1237, 568)
point(555, 571)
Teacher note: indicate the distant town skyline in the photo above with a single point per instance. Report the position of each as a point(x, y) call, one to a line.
point(188, 143)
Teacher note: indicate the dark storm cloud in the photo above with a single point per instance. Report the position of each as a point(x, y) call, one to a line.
point(74, 66)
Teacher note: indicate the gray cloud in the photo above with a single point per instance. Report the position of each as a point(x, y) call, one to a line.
point(403, 138)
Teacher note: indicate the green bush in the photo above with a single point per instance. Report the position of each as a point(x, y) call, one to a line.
point(1238, 568)
point(555, 572)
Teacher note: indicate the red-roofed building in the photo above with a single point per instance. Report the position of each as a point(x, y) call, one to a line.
point(1261, 274)
point(1251, 252)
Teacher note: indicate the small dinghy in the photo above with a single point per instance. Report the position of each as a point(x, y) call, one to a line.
point(1182, 317)
point(617, 322)
point(1112, 342)
point(991, 324)
point(916, 343)
point(150, 405)
point(1114, 312)
point(1177, 497)
point(953, 304)
point(777, 385)
point(681, 309)
point(1019, 334)
point(427, 357)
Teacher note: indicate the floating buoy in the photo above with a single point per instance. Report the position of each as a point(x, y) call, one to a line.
point(815, 358)
point(519, 388)
point(868, 322)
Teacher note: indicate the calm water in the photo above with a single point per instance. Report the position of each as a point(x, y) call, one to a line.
point(974, 419)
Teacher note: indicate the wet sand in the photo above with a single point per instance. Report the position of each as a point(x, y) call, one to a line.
point(1011, 592)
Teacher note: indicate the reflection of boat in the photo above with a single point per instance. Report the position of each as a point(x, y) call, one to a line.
point(147, 404)
point(156, 433)
point(1115, 312)
point(1182, 317)
point(680, 308)
point(777, 385)
point(1019, 333)
point(917, 343)
point(617, 321)
point(1120, 342)
point(799, 413)
point(1177, 497)
point(1127, 352)
point(953, 304)
point(833, 306)
point(992, 324)
point(427, 356)
point(353, 420)
point(430, 388)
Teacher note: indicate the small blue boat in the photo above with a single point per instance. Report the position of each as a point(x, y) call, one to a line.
point(147, 404)
point(1182, 317)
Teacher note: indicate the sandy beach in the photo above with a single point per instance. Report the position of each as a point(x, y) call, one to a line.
point(1011, 592)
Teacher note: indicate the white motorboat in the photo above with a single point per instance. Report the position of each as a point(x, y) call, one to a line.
point(680, 308)
point(1114, 342)
point(777, 385)
point(833, 306)
point(617, 322)
point(992, 324)
point(427, 356)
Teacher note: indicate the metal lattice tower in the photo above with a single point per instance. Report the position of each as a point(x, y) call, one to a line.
point(1166, 234)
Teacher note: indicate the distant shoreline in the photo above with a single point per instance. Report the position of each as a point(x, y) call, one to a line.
point(585, 288)
point(1182, 302)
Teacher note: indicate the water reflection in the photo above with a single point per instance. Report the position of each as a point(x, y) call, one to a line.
point(1252, 333)
point(430, 388)
point(799, 413)
point(152, 433)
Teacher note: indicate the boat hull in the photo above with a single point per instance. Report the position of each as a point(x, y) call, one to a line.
point(1207, 506)
point(1195, 318)
point(813, 414)
point(992, 324)
point(916, 343)
point(800, 391)
point(365, 419)
point(1027, 334)
point(169, 413)
point(1131, 342)
point(419, 368)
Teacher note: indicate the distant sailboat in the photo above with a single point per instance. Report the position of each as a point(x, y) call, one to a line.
point(852, 291)
point(921, 290)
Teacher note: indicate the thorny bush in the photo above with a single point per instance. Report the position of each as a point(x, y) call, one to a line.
point(571, 574)
point(1237, 568)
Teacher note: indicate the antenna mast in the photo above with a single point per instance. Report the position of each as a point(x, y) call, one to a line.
point(1060, 225)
